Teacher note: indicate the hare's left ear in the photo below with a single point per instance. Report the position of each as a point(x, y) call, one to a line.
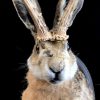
point(65, 15)
point(22, 13)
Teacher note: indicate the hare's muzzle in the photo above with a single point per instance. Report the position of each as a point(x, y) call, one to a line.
point(56, 78)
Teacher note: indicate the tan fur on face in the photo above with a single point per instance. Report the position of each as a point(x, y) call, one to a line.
point(61, 59)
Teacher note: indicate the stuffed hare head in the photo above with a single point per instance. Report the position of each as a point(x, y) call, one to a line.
point(51, 60)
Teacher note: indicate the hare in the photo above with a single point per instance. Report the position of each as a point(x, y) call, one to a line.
point(54, 73)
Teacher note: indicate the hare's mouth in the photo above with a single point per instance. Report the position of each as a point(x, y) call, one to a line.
point(55, 81)
point(56, 76)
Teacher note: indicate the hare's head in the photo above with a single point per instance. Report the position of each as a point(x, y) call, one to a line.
point(51, 59)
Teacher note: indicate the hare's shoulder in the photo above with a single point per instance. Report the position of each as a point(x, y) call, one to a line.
point(80, 88)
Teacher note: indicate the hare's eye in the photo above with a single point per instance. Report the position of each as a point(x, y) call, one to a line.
point(43, 45)
point(37, 49)
point(48, 53)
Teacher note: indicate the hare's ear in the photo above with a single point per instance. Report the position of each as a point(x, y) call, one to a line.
point(76, 11)
point(65, 15)
point(22, 13)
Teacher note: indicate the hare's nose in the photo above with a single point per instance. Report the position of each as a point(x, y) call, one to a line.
point(54, 71)
point(56, 78)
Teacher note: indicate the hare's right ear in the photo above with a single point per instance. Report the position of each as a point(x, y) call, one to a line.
point(22, 13)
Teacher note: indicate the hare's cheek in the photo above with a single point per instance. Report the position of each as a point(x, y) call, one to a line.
point(65, 74)
point(42, 74)
point(46, 74)
point(37, 73)
point(50, 75)
point(69, 72)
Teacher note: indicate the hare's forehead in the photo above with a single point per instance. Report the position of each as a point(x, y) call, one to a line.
point(53, 44)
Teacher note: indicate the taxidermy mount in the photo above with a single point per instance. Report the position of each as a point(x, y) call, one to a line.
point(55, 73)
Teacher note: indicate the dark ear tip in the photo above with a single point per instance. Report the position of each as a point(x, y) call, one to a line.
point(43, 45)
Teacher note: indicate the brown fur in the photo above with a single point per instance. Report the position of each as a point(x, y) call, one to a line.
point(75, 89)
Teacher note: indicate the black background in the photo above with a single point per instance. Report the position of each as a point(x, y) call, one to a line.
point(84, 38)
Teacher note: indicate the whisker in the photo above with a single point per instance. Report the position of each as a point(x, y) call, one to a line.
point(21, 66)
